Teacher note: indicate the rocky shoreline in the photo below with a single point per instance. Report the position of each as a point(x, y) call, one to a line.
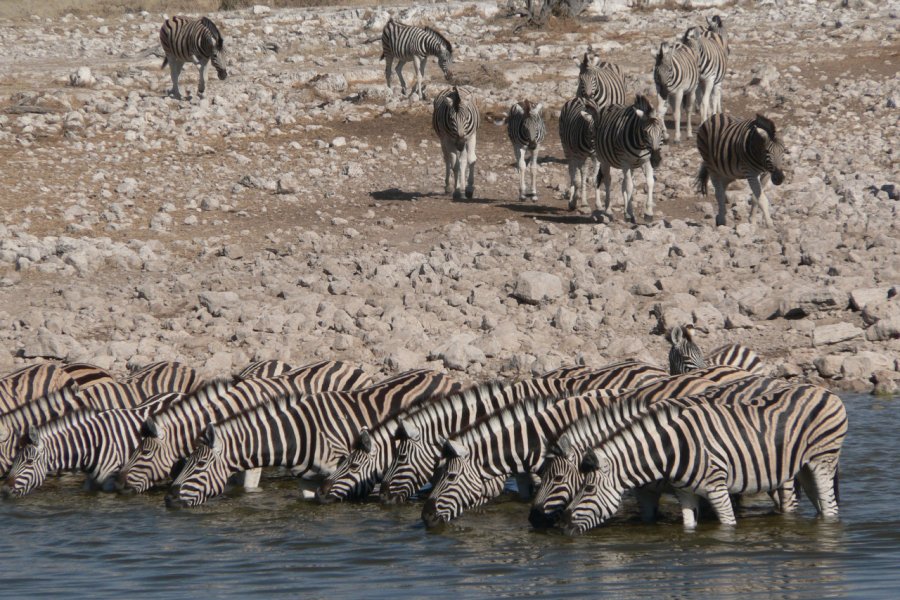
point(297, 211)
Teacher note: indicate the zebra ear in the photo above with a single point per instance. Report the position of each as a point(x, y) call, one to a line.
point(453, 449)
point(365, 441)
point(538, 108)
point(564, 445)
point(209, 435)
point(589, 461)
point(676, 335)
point(149, 429)
point(32, 435)
point(407, 431)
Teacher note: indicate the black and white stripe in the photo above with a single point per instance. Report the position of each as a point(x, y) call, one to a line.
point(408, 43)
point(712, 450)
point(627, 137)
point(157, 378)
point(732, 148)
point(308, 433)
point(600, 81)
point(455, 120)
point(263, 369)
point(526, 130)
point(171, 435)
point(576, 134)
point(676, 77)
point(684, 355)
point(36, 381)
point(712, 60)
point(188, 40)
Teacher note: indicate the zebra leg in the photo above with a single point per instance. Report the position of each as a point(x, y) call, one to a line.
point(520, 169)
point(717, 98)
point(704, 102)
point(628, 192)
point(175, 67)
point(534, 159)
point(449, 163)
point(679, 95)
point(785, 498)
point(576, 180)
point(604, 170)
point(399, 71)
point(201, 87)
point(759, 197)
point(648, 175)
point(420, 76)
point(689, 100)
point(469, 151)
point(721, 199)
point(821, 492)
point(690, 507)
point(418, 69)
point(388, 70)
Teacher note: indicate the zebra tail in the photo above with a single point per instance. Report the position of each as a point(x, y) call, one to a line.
point(702, 180)
point(165, 62)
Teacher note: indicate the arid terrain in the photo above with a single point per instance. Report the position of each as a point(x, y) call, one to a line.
point(297, 210)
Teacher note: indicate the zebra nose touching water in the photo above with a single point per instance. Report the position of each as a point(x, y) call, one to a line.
point(404, 43)
point(187, 40)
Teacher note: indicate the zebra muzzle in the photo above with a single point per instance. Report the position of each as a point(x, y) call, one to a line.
point(655, 158)
point(541, 520)
point(777, 177)
point(174, 499)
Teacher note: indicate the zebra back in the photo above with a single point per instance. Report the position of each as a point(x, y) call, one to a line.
point(736, 355)
point(263, 369)
point(525, 125)
point(28, 383)
point(600, 81)
point(622, 375)
point(405, 41)
point(163, 376)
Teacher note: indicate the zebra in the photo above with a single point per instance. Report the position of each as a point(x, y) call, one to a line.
point(405, 43)
point(600, 81)
point(712, 60)
point(576, 133)
point(560, 475)
point(308, 433)
point(145, 383)
point(526, 130)
point(713, 450)
point(96, 442)
point(509, 442)
point(39, 380)
point(716, 25)
point(263, 369)
point(684, 355)
point(188, 40)
point(419, 436)
point(455, 120)
point(626, 137)
point(170, 435)
point(676, 77)
point(733, 148)
point(736, 355)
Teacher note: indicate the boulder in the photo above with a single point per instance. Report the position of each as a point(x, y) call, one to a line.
point(835, 333)
point(534, 287)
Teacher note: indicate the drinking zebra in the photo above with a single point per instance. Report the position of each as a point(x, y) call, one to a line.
point(712, 60)
point(732, 148)
point(600, 81)
point(627, 137)
point(420, 436)
point(170, 435)
point(96, 442)
point(308, 433)
point(455, 120)
point(526, 130)
point(184, 40)
point(405, 43)
point(560, 475)
point(714, 450)
point(676, 77)
point(576, 133)
point(36, 381)
point(511, 442)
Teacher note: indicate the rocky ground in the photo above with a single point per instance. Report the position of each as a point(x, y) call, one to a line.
point(297, 211)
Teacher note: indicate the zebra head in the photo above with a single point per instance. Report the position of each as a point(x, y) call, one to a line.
point(151, 461)
point(355, 475)
point(444, 52)
point(415, 459)
point(459, 486)
point(764, 143)
point(599, 497)
point(663, 73)
point(204, 475)
point(217, 43)
point(653, 131)
point(684, 355)
point(560, 478)
point(587, 80)
point(692, 37)
point(8, 443)
point(716, 24)
point(29, 467)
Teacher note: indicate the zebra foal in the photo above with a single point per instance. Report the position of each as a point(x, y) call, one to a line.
point(576, 134)
point(526, 130)
point(455, 120)
point(628, 137)
point(187, 40)
point(732, 148)
point(676, 77)
point(600, 81)
point(404, 43)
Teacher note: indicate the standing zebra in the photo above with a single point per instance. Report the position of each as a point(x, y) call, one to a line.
point(526, 130)
point(733, 148)
point(600, 81)
point(627, 137)
point(96, 442)
point(455, 120)
point(419, 437)
point(405, 43)
point(195, 41)
point(712, 60)
point(676, 77)
point(713, 450)
point(170, 435)
point(307, 433)
point(576, 133)
point(36, 381)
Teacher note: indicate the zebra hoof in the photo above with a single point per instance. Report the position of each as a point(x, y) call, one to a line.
point(457, 195)
point(648, 218)
point(470, 192)
point(720, 221)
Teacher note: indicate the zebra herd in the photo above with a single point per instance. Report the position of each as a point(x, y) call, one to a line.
point(597, 124)
point(576, 439)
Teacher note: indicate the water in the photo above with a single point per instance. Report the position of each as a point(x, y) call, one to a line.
point(61, 540)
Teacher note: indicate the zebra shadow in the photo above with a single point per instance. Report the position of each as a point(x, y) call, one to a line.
point(396, 194)
point(552, 214)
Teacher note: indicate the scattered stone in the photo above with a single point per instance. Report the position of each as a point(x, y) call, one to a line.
point(535, 287)
point(836, 333)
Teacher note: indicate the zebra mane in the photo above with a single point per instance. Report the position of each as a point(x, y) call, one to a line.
point(509, 416)
point(67, 421)
point(766, 125)
point(442, 37)
point(433, 410)
point(642, 104)
point(212, 388)
point(214, 31)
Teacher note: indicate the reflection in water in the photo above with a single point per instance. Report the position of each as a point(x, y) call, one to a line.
point(63, 540)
